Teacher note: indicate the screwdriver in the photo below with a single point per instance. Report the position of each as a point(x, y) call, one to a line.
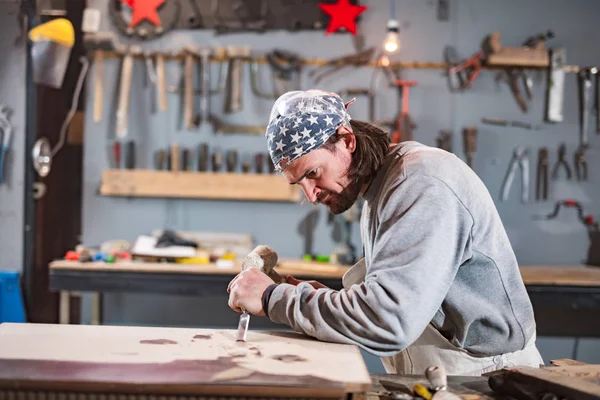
point(185, 160)
point(117, 154)
point(174, 157)
point(130, 156)
point(259, 161)
point(246, 166)
point(217, 161)
point(203, 157)
point(159, 159)
point(231, 160)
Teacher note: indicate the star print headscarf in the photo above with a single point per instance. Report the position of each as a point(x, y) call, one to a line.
point(302, 121)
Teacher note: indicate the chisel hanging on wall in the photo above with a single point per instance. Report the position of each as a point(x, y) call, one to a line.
point(556, 82)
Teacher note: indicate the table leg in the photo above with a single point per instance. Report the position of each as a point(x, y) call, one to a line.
point(64, 307)
point(96, 308)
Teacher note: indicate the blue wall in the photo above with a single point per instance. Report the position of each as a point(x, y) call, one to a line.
point(562, 241)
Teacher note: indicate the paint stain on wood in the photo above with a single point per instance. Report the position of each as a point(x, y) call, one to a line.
point(288, 358)
point(202, 336)
point(158, 341)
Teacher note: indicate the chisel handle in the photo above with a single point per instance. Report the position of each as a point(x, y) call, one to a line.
point(124, 92)
point(98, 87)
point(436, 374)
point(160, 81)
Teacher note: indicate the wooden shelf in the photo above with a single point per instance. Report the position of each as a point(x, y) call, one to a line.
point(198, 185)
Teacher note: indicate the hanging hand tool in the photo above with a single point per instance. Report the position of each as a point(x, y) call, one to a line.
point(231, 160)
point(404, 127)
point(185, 160)
point(130, 155)
point(520, 157)
point(217, 161)
point(597, 103)
point(161, 82)
point(470, 143)
point(205, 53)
point(203, 157)
point(284, 66)
point(580, 165)
point(188, 99)
point(259, 161)
point(175, 166)
point(555, 86)
point(233, 87)
point(465, 72)
point(125, 91)
point(336, 64)
point(444, 140)
point(99, 43)
point(117, 154)
point(562, 153)
point(587, 220)
point(541, 188)
point(5, 137)
point(504, 122)
point(514, 76)
point(160, 159)
point(222, 127)
point(584, 85)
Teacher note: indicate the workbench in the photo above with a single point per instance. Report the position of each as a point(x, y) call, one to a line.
point(566, 299)
point(38, 362)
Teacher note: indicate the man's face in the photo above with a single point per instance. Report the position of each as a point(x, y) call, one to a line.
point(322, 175)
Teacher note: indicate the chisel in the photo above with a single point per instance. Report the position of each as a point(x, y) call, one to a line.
point(203, 157)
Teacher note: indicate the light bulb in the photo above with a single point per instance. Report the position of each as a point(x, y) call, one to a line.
point(391, 44)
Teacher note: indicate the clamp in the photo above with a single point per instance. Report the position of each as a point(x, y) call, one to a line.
point(541, 189)
point(355, 60)
point(586, 220)
point(520, 157)
point(562, 152)
point(466, 71)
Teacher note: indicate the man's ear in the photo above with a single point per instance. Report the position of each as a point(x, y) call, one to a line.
point(348, 138)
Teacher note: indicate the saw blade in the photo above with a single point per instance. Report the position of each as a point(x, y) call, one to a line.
point(243, 326)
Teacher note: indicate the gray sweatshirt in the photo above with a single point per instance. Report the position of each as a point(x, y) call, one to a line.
point(435, 252)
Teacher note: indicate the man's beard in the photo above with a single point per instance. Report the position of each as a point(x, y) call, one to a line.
point(340, 202)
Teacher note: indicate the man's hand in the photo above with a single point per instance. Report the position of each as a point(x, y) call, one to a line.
point(293, 281)
point(246, 290)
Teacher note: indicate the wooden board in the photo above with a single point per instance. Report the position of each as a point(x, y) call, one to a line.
point(295, 268)
point(561, 275)
point(206, 185)
point(176, 361)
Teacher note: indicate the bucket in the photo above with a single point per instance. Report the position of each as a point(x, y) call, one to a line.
point(51, 50)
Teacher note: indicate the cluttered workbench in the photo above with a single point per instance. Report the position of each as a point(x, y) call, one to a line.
point(90, 362)
point(566, 299)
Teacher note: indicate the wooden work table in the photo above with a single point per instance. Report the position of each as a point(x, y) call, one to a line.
point(37, 362)
point(566, 299)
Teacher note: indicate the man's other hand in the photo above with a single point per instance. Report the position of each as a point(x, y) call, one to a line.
point(293, 281)
point(246, 290)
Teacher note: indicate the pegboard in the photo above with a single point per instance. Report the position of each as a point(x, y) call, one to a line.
point(227, 16)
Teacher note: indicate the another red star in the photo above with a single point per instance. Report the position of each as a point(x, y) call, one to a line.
point(342, 14)
point(144, 9)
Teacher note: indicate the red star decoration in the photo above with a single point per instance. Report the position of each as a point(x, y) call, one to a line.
point(144, 9)
point(342, 14)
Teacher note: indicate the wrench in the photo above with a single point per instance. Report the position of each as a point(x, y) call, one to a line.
point(584, 80)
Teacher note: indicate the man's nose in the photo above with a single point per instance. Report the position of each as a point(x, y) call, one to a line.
point(310, 190)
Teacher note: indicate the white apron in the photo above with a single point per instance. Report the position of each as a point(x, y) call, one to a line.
point(431, 348)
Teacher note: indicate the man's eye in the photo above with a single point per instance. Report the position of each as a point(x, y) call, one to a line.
point(312, 174)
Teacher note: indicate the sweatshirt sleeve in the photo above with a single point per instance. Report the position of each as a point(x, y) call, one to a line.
point(422, 236)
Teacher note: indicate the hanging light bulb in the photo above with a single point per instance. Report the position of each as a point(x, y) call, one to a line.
point(391, 44)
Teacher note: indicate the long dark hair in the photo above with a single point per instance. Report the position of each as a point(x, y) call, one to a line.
point(372, 145)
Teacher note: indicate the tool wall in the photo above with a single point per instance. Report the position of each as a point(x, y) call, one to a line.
point(483, 124)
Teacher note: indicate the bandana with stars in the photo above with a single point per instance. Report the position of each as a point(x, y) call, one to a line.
point(302, 121)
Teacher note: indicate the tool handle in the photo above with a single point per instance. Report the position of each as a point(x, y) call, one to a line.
point(125, 91)
point(188, 91)
point(3, 150)
point(436, 374)
point(205, 88)
point(174, 157)
point(160, 81)
point(98, 87)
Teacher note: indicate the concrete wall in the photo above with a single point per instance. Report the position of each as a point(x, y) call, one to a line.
point(12, 94)
point(562, 241)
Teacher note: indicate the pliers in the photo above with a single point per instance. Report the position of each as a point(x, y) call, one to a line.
point(520, 157)
point(562, 152)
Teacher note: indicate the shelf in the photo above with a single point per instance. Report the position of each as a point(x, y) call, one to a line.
point(197, 185)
